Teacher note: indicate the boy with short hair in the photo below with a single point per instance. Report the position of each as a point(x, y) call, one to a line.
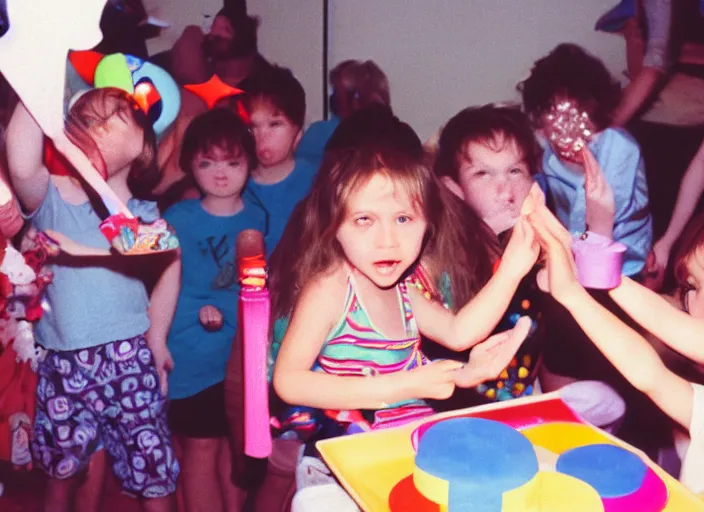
point(276, 105)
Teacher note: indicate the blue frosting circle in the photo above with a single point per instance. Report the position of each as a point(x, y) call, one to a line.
point(480, 459)
point(611, 470)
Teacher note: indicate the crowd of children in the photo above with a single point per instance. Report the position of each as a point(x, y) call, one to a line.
point(403, 281)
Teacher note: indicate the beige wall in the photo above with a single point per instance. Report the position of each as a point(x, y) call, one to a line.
point(290, 34)
point(443, 55)
point(440, 55)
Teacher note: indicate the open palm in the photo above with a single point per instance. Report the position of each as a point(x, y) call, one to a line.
point(489, 358)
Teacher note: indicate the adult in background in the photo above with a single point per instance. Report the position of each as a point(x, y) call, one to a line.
point(229, 50)
point(355, 85)
point(663, 107)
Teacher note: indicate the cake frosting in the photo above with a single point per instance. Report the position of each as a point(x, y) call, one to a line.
point(487, 466)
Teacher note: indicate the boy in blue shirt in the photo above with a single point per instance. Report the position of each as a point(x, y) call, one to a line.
point(276, 104)
point(601, 187)
point(570, 74)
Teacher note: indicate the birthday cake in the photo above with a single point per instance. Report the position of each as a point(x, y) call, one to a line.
point(487, 466)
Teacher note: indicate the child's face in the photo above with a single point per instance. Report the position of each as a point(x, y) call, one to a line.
point(382, 231)
point(220, 173)
point(494, 180)
point(694, 298)
point(120, 140)
point(274, 133)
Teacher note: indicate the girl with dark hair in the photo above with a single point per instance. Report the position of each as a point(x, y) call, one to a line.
point(199, 292)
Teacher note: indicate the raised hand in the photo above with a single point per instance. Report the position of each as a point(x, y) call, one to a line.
point(522, 250)
point(560, 275)
point(489, 358)
point(601, 207)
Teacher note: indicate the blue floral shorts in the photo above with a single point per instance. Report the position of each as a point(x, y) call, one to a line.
point(105, 396)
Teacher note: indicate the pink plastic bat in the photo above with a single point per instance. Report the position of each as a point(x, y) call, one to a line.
point(254, 311)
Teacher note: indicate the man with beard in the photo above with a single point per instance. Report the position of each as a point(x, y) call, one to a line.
point(229, 50)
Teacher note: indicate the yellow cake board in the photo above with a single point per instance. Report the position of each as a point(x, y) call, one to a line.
point(369, 465)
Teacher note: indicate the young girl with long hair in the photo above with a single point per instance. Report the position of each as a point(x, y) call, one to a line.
point(379, 230)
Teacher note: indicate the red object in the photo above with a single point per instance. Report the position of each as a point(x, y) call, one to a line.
point(56, 162)
point(111, 226)
point(146, 95)
point(18, 385)
point(404, 497)
point(496, 266)
point(213, 90)
point(85, 63)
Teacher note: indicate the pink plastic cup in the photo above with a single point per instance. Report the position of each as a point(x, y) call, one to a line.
point(599, 261)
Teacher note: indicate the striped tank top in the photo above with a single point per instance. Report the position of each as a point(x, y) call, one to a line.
point(355, 347)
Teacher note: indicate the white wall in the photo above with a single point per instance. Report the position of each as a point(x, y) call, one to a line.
point(444, 55)
point(440, 55)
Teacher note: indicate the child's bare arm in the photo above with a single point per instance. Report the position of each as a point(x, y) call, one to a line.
point(317, 310)
point(627, 350)
point(677, 329)
point(161, 313)
point(163, 301)
point(25, 145)
point(634, 357)
point(478, 318)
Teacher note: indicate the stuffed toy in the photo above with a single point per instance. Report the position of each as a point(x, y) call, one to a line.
point(23, 279)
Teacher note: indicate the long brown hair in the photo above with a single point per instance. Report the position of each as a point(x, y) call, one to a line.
point(456, 242)
point(689, 246)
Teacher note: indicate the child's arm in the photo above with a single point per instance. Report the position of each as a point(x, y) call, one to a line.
point(479, 317)
point(25, 146)
point(677, 329)
point(689, 194)
point(629, 352)
point(317, 310)
point(634, 357)
point(161, 313)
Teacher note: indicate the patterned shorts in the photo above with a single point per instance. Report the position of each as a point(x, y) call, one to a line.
point(105, 396)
